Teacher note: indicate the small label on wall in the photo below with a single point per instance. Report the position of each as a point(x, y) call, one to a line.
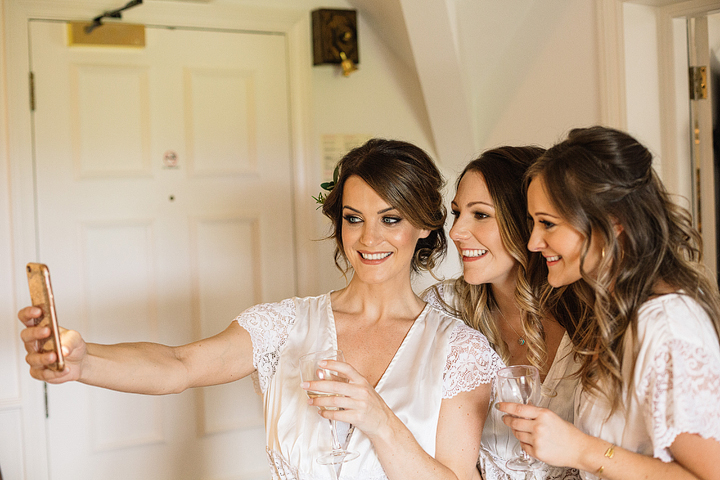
point(170, 159)
point(334, 146)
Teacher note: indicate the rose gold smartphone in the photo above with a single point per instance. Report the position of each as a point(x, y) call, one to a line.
point(41, 295)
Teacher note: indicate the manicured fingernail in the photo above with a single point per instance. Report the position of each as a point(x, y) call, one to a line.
point(304, 385)
point(322, 363)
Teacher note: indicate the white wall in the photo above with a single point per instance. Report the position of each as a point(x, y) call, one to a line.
point(642, 84)
point(381, 99)
point(531, 68)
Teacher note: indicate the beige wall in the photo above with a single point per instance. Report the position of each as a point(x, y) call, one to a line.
point(531, 68)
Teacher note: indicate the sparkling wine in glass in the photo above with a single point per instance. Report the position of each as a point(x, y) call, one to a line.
point(520, 384)
point(311, 371)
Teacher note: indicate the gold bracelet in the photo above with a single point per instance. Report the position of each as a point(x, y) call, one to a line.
point(608, 454)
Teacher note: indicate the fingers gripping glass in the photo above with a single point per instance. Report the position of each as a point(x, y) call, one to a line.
point(311, 371)
point(520, 384)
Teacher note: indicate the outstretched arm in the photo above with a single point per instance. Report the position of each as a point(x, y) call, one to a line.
point(551, 439)
point(149, 368)
point(458, 434)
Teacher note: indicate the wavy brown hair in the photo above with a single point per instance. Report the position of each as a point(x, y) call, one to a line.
point(599, 178)
point(407, 179)
point(503, 170)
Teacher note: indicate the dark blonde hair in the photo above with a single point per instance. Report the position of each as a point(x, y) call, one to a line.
point(503, 170)
point(406, 178)
point(597, 179)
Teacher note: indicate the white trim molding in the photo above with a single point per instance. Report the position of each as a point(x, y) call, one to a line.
point(611, 61)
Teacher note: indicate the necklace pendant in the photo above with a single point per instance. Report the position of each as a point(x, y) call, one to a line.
point(521, 341)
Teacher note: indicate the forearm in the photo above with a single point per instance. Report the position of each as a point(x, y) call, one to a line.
point(598, 458)
point(147, 368)
point(402, 457)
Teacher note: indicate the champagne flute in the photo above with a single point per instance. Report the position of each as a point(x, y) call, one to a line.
point(311, 371)
point(520, 384)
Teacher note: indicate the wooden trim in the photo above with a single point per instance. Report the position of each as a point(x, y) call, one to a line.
point(611, 62)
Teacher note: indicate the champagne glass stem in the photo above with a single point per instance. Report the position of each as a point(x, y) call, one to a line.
point(335, 439)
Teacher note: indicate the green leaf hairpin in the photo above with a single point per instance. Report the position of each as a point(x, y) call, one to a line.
point(327, 186)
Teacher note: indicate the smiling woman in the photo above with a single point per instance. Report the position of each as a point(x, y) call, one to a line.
point(648, 320)
point(388, 220)
point(558, 241)
point(406, 179)
point(498, 295)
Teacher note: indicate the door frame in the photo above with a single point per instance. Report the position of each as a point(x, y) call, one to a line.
point(669, 117)
point(15, 17)
point(676, 173)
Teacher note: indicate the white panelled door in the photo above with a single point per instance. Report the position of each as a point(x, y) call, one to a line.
point(164, 209)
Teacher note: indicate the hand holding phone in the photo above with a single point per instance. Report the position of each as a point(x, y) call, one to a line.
point(41, 295)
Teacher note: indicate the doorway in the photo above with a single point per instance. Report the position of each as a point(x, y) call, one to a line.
point(164, 207)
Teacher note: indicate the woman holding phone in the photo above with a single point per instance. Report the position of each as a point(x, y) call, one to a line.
point(388, 218)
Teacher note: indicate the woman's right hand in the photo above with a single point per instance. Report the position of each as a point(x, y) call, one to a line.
point(73, 347)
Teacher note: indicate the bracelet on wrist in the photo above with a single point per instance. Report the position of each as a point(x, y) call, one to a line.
point(608, 454)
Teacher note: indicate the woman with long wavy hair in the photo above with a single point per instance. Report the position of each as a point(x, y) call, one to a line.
point(647, 337)
point(498, 294)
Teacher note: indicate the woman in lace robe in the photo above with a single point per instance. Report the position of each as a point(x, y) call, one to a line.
point(419, 379)
point(648, 336)
point(498, 295)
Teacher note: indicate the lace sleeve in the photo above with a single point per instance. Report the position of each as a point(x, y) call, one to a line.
point(268, 325)
point(433, 295)
point(680, 390)
point(439, 296)
point(470, 363)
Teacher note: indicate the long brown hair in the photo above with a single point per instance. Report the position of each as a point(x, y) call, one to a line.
point(599, 178)
point(407, 179)
point(503, 170)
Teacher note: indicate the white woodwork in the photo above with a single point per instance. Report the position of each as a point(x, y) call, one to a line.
point(140, 251)
point(27, 460)
point(220, 108)
point(674, 56)
point(110, 119)
point(611, 61)
point(215, 243)
point(11, 444)
point(703, 155)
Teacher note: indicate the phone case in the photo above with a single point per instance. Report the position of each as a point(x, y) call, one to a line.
point(41, 295)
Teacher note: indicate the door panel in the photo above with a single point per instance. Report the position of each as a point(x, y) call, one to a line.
point(142, 249)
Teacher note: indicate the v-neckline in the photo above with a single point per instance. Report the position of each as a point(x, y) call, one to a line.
point(557, 361)
point(421, 315)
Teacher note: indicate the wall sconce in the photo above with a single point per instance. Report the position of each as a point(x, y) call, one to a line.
point(335, 38)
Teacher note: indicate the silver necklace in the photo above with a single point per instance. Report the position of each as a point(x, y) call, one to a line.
point(521, 340)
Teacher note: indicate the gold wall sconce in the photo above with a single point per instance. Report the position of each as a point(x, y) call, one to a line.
point(335, 38)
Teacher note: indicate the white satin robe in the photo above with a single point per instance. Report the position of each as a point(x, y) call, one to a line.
point(412, 386)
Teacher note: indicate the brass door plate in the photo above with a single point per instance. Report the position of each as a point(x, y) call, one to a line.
point(108, 34)
point(334, 31)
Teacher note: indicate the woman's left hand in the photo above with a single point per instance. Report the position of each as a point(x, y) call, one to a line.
point(358, 402)
point(543, 434)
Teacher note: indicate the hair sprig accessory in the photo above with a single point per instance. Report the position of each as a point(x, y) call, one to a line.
point(328, 186)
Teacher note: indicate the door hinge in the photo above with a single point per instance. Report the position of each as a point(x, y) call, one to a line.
point(45, 394)
point(698, 83)
point(32, 91)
